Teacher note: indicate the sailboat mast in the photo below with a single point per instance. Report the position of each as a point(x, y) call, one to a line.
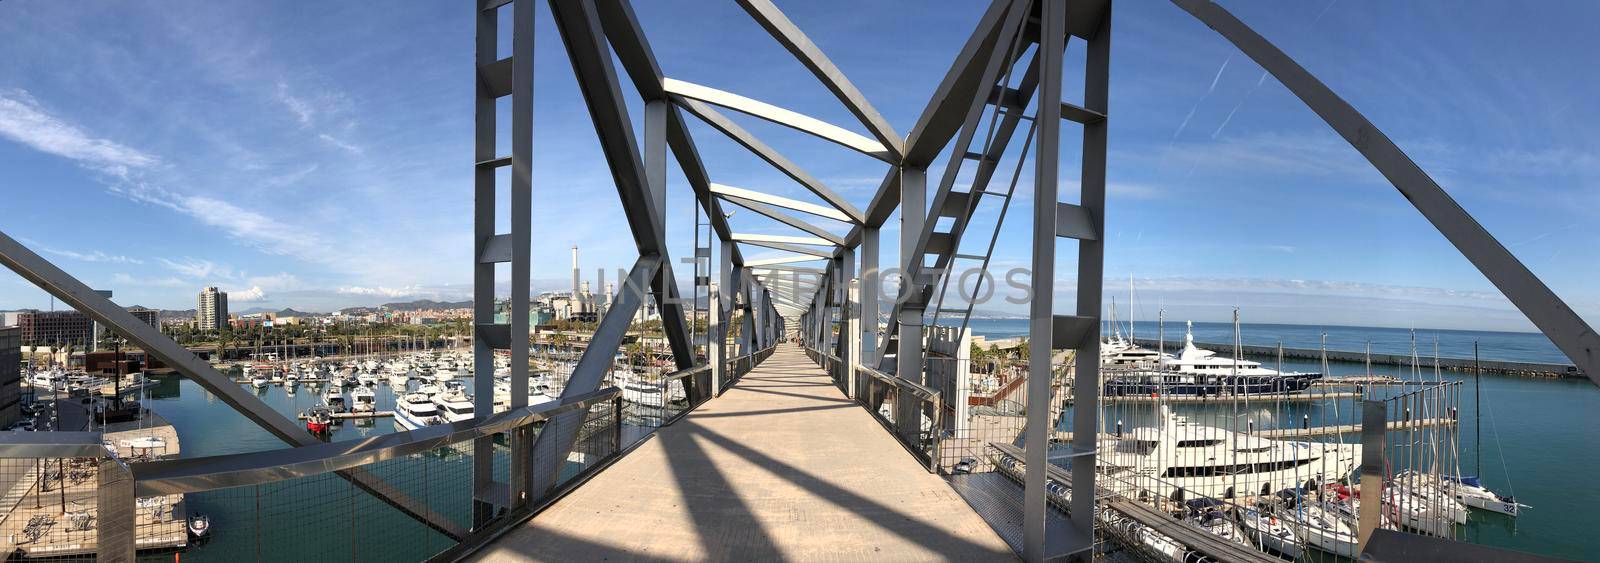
point(1131, 339)
point(1477, 407)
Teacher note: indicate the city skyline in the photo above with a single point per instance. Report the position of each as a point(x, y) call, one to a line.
point(289, 183)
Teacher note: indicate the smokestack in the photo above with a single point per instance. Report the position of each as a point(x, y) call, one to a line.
point(574, 271)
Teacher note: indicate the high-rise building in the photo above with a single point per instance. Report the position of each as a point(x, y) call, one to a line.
point(150, 317)
point(51, 328)
point(10, 375)
point(212, 311)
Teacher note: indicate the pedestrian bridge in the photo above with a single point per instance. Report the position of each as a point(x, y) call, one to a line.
point(781, 466)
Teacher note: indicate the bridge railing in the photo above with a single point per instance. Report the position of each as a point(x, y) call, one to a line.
point(74, 496)
point(913, 413)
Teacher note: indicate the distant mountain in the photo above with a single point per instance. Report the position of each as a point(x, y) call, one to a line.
point(294, 313)
point(425, 304)
point(176, 314)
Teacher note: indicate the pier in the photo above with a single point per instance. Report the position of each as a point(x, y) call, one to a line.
point(347, 415)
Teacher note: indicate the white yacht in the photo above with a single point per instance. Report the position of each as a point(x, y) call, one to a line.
point(1469, 491)
point(1234, 376)
point(1178, 459)
point(415, 410)
point(398, 380)
point(454, 406)
point(363, 399)
point(367, 378)
point(260, 381)
point(1270, 532)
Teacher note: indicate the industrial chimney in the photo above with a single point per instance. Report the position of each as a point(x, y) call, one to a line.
point(574, 271)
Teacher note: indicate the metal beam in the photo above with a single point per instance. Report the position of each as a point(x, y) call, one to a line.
point(590, 56)
point(781, 239)
point(44, 275)
point(790, 36)
point(1542, 306)
point(767, 153)
point(551, 448)
point(797, 249)
point(783, 260)
point(779, 201)
point(622, 29)
point(785, 219)
point(791, 119)
point(1041, 314)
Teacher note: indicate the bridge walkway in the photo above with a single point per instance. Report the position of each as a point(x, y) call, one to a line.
point(781, 467)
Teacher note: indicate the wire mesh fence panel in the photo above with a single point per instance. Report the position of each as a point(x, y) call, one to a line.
point(50, 508)
point(328, 517)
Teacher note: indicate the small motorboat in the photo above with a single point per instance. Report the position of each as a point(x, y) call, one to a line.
point(319, 420)
point(363, 399)
point(199, 525)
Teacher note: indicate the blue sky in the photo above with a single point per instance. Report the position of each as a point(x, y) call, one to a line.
point(319, 155)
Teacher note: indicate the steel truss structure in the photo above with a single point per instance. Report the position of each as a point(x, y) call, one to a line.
point(1011, 64)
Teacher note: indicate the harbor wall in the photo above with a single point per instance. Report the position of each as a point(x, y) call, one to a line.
point(1465, 365)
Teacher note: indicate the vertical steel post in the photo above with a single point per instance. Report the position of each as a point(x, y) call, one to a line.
point(1041, 314)
point(1374, 426)
point(722, 307)
point(116, 520)
point(909, 351)
point(1091, 253)
point(483, 219)
point(871, 287)
point(521, 244)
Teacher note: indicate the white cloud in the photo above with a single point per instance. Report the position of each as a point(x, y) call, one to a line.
point(24, 121)
point(380, 291)
point(198, 268)
point(169, 281)
point(338, 143)
point(95, 256)
point(252, 295)
point(300, 108)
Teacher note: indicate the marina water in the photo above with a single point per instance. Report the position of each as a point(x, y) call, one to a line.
point(1541, 437)
point(1539, 442)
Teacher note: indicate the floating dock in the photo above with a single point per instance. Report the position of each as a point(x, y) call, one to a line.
point(353, 415)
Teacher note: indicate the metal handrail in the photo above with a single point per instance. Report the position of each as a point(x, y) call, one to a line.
point(923, 392)
point(14, 445)
point(254, 468)
point(686, 372)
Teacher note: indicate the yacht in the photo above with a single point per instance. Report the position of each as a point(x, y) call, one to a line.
point(367, 378)
point(1179, 458)
point(398, 380)
point(454, 406)
point(1317, 524)
point(1211, 515)
point(415, 410)
point(363, 399)
point(1197, 371)
point(334, 399)
point(1236, 376)
point(1270, 532)
point(1469, 491)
